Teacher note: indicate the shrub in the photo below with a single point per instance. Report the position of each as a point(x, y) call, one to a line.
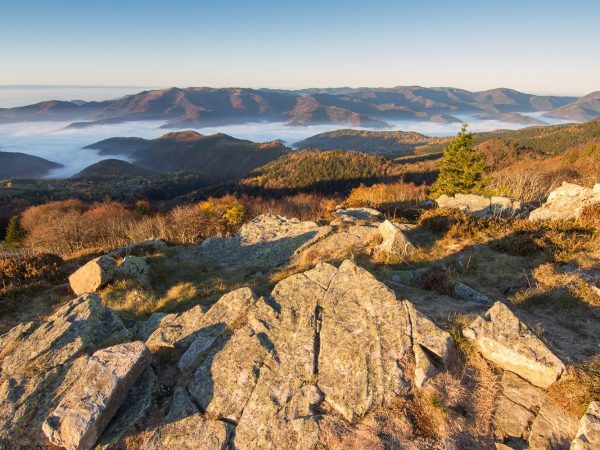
point(22, 273)
point(15, 233)
point(381, 195)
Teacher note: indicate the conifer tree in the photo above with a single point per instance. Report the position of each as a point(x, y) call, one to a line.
point(14, 233)
point(462, 168)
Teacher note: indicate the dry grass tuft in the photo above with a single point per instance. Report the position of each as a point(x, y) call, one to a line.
point(578, 387)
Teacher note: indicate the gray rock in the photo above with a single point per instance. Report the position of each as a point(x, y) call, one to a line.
point(134, 268)
point(90, 404)
point(230, 308)
point(406, 277)
point(135, 407)
point(553, 428)
point(176, 330)
point(588, 433)
point(469, 294)
point(41, 364)
point(566, 202)
point(434, 348)
point(395, 242)
point(479, 206)
point(184, 428)
point(507, 342)
point(93, 275)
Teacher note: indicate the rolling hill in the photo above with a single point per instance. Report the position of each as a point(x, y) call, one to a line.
point(112, 169)
point(389, 143)
point(21, 165)
point(218, 156)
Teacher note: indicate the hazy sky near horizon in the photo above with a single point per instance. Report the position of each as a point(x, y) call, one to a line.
point(547, 47)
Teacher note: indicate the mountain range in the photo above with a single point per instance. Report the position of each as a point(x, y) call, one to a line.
point(366, 107)
point(21, 165)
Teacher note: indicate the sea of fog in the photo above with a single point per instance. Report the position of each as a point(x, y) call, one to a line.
point(52, 141)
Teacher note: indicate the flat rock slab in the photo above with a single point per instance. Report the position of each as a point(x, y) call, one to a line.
point(352, 215)
point(90, 404)
point(176, 330)
point(266, 242)
point(588, 433)
point(507, 342)
point(566, 202)
point(93, 275)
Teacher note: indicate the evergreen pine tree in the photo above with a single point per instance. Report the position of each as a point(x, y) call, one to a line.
point(462, 168)
point(14, 233)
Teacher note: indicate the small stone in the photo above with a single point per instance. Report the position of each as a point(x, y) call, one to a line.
point(469, 294)
point(395, 242)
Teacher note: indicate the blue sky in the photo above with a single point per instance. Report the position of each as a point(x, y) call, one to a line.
point(535, 46)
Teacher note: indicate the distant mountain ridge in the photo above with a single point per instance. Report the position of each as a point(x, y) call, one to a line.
point(364, 107)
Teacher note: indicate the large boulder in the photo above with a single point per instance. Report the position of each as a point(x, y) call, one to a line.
point(395, 242)
point(40, 364)
point(263, 243)
point(93, 275)
point(479, 206)
point(329, 334)
point(566, 202)
point(507, 342)
point(91, 403)
point(588, 433)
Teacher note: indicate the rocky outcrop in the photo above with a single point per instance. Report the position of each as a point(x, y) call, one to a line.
point(395, 242)
point(93, 275)
point(266, 242)
point(507, 342)
point(90, 404)
point(588, 432)
point(148, 245)
point(566, 202)
point(328, 334)
point(40, 364)
point(479, 206)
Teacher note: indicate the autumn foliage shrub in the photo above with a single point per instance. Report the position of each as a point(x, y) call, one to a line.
point(24, 271)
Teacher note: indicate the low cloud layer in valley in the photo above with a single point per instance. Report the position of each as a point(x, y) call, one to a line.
point(52, 141)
